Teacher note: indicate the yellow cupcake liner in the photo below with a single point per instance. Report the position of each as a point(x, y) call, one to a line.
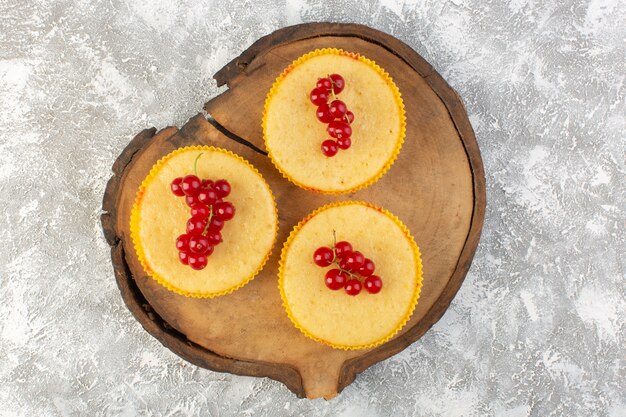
point(390, 83)
point(135, 219)
point(418, 265)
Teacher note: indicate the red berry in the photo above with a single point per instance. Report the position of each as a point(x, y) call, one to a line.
point(199, 210)
point(196, 225)
point(182, 242)
point(319, 97)
point(191, 200)
point(342, 248)
point(352, 261)
point(324, 84)
point(224, 210)
point(214, 237)
point(329, 148)
point(349, 117)
point(344, 143)
point(323, 256)
point(207, 196)
point(198, 244)
point(207, 184)
point(197, 261)
point(323, 115)
point(373, 284)
point(353, 287)
point(337, 108)
point(338, 82)
point(191, 185)
point(176, 187)
point(216, 224)
point(335, 279)
point(222, 188)
point(183, 257)
point(331, 128)
point(339, 129)
point(367, 268)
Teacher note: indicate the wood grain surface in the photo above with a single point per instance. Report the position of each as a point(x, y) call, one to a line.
point(436, 187)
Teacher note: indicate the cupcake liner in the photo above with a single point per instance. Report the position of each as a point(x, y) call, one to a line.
point(390, 83)
point(418, 265)
point(135, 220)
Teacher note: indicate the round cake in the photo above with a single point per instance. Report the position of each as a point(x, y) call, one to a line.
point(300, 120)
point(344, 313)
point(232, 213)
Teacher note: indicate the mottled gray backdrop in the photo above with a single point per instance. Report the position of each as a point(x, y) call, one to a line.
point(537, 328)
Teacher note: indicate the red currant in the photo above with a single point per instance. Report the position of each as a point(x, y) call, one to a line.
point(373, 284)
point(323, 114)
point(319, 96)
point(323, 256)
point(176, 187)
point(338, 83)
point(342, 248)
point(367, 268)
point(337, 108)
point(198, 244)
point(197, 261)
point(335, 279)
point(324, 84)
point(191, 185)
point(191, 200)
point(329, 148)
point(196, 225)
point(353, 287)
point(214, 237)
point(207, 196)
point(216, 224)
point(339, 129)
point(182, 242)
point(224, 210)
point(183, 257)
point(344, 143)
point(349, 117)
point(222, 188)
point(199, 210)
point(352, 261)
point(207, 184)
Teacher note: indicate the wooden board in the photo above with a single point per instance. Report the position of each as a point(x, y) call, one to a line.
point(436, 187)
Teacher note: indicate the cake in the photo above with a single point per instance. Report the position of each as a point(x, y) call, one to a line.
point(335, 311)
point(237, 227)
point(301, 122)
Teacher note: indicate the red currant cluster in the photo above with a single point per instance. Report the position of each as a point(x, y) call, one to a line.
point(335, 114)
point(208, 214)
point(352, 267)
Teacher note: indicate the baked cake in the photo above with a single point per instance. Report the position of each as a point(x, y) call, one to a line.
point(350, 275)
point(204, 221)
point(334, 121)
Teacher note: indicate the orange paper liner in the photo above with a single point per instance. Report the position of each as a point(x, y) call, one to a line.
point(418, 266)
point(390, 83)
point(135, 218)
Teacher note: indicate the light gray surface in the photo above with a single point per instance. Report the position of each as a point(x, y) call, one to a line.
point(537, 328)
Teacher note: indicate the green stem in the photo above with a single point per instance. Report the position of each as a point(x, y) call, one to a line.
point(195, 164)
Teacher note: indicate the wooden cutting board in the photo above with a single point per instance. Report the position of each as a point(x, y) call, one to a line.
point(437, 187)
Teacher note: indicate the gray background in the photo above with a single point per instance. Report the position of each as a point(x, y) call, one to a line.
point(537, 328)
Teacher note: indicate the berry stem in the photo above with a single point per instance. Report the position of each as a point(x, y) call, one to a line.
point(208, 221)
point(332, 87)
point(195, 164)
point(336, 262)
point(334, 247)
